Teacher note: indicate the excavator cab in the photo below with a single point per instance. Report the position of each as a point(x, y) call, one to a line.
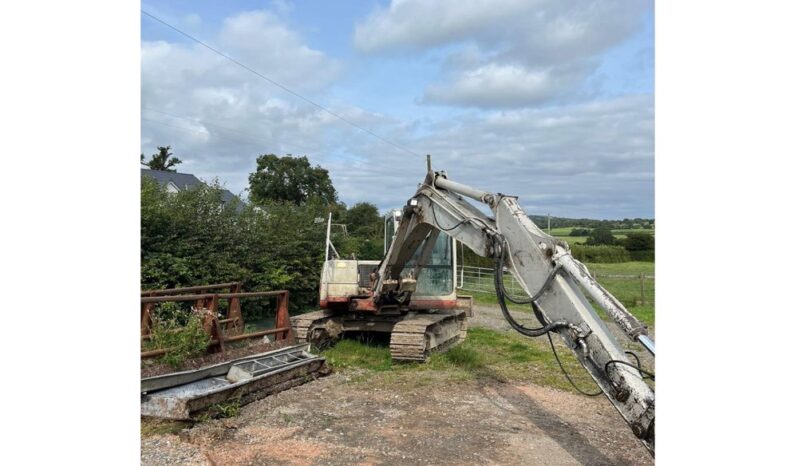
point(437, 278)
point(433, 319)
point(343, 280)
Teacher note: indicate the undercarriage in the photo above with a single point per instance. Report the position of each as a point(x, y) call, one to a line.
point(413, 335)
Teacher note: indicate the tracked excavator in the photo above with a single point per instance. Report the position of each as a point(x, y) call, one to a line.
point(411, 295)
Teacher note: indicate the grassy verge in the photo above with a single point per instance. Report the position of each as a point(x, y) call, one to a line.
point(625, 289)
point(623, 268)
point(644, 312)
point(485, 354)
point(489, 299)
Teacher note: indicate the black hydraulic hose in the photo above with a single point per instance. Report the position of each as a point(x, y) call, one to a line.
point(499, 252)
point(644, 373)
point(500, 294)
point(507, 295)
point(499, 244)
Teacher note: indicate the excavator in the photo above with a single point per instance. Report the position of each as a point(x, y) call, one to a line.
point(411, 294)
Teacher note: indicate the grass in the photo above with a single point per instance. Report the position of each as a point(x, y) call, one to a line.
point(632, 230)
point(623, 268)
point(352, 353)
point(564, 232)
point(485, 354)
point(627, 290)
point(644, 312)
point(489, 299)
point(571, 240)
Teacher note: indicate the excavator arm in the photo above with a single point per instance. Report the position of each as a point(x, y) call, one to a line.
point(555, 283)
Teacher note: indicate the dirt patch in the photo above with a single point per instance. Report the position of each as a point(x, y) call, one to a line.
point(356, 418)
point(369, 417)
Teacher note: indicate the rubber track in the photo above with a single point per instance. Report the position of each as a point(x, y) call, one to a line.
point(303, 322)
point(410, 337)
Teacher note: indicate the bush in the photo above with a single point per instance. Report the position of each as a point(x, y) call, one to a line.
point(639, 242)
point(179, 313)
point(183, 341)
point(601, 236)
point(643, 256)
point(600, 254)
point(192, 238)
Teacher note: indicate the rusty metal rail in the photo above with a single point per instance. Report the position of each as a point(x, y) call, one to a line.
point(235, 287)
point(234, 323)
point(228, 329)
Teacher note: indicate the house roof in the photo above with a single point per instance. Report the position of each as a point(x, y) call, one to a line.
point(182, 181)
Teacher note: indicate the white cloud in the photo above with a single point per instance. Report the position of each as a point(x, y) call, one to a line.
point(233, 115)
point(581, 159)
point(590, 159)
point(503, 85)
point(550, 30)
point(421, 24)
point(490, 43)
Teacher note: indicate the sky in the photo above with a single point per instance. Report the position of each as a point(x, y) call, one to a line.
point(548, 100)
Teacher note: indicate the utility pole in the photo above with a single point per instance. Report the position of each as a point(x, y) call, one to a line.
point(549, 218)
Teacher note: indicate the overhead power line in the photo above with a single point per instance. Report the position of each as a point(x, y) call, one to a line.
point(286, 89)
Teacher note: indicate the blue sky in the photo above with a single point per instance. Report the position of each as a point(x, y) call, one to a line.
point(550, 100)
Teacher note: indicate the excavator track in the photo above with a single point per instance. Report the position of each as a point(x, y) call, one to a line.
point(413, 336)
point(417, 335)
point(320, 328)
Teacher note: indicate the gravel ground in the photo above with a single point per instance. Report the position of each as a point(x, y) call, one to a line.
point(358, 417)
point(337, 421)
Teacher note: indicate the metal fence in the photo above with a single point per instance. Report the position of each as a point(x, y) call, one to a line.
point(480, 280)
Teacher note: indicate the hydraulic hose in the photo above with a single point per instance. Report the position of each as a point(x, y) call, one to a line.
point(498, 256)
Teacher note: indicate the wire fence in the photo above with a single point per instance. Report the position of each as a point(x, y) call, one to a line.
point(480, 280)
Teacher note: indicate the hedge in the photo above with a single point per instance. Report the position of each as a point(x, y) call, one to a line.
point(600, 254)
point(643, 256)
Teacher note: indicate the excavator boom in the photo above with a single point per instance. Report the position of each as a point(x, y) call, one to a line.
point(555, 282)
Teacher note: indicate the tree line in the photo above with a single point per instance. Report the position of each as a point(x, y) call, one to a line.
point(589, 223)
point(275, 240)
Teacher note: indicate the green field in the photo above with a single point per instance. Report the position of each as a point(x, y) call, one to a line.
point(563, 232)
point(571, 240)
point(626, 289)
point(624, 268)
point(632, 230)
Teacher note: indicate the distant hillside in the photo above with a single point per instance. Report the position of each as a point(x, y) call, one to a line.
point(625, 224)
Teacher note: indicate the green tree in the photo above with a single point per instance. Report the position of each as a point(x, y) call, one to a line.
point(363, 219)
point(639, 242)
point(162, 161)
point(601, 236)
point(192, 237)
point(579, 232)
point(290, 179)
